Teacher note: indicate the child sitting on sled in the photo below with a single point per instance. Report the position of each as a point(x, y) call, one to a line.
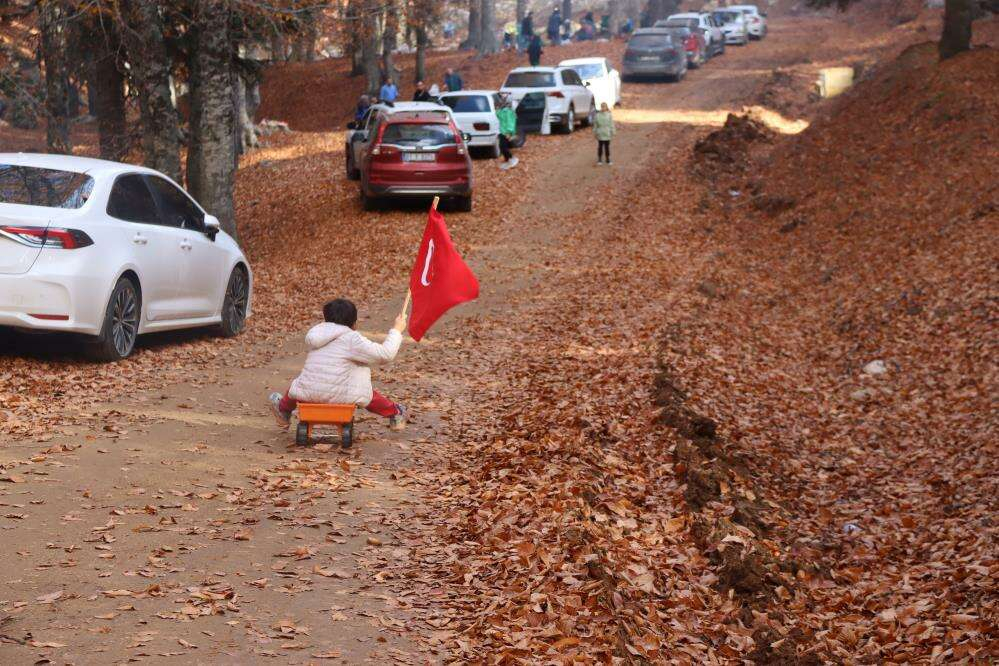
point(338, 367)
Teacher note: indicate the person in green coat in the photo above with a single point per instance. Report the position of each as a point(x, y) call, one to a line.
point(507, 132)
point(603, 128)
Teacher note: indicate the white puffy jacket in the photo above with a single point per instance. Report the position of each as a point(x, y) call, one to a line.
point(338, 367)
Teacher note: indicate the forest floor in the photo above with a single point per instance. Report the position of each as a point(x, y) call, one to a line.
point(657, 434)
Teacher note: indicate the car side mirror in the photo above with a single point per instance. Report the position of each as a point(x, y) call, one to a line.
point(212, 226)
point(586, 83)
point(352, 125)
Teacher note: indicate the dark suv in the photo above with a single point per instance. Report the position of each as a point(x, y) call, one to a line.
point(655, 52)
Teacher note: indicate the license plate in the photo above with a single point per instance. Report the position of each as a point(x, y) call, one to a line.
point(648, 58)
point(418, 157)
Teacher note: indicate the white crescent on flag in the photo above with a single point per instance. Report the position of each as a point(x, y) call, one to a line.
point(426, 264)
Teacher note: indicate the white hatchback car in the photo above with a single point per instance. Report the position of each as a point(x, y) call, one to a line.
point(568, 99)
point(714, 38)
point(474, 112)
point(112, 251)
point(600, 77)
point(756, 21)
point(733, 25)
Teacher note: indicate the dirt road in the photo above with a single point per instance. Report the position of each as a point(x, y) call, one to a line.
point(195, 532)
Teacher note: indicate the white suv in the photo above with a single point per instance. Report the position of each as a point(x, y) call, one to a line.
point(112, 251)
point(475, 114)
point(756, 21)
point(568, 98)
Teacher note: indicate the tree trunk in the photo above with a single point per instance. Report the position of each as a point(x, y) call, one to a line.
point(52, 22)
point(279, 47)
point(211, 167)
point(474, 26)
point(956, 36)
point(150, 65)
point(370, 43)
point(421, 53)
point(488, 43)
point(247, 98)
point(566, 10)
point(521, 11)
point(106, 87)
point(616, 13)
point(390, 35)
point(660, 9)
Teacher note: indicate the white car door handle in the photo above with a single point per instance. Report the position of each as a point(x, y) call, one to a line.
point(139, 239)
point(185, 244)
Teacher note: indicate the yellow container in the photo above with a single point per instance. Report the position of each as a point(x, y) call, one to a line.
point(834, 80)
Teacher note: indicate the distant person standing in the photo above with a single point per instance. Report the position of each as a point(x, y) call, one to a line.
point(452, 80)
point(508, 132)
point(534, 50)
point(554, 26)
point(421, 94)
point(603, 129)
point(388, 93)
point(363, 104)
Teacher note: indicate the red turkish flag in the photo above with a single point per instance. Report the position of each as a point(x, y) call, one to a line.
point(440, 279)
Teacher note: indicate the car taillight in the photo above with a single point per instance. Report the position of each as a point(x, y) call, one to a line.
point(482, 127)
point(383, 152)
point(670, 53)
point(556, 93)
point(52, 237)
point(455, 153)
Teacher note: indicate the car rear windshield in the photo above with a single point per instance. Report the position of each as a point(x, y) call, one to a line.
point(418, 134)
point(467, 103)
point(727, 17)
point(681, 23)
point(588, 71)
point(51, 188)
point(529, 80)
point(649, 41)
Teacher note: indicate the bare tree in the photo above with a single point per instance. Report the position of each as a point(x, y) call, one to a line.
point(521, 11)
point(211, 167)
point(956, 35)
point(52, 20)
point(143, 33)
point(487, 41)
point(390, 36)
point(566, 10)
point(474, 25)
point(106, 87)
point(370, 43)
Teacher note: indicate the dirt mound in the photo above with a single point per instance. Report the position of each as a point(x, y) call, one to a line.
point(728, 147)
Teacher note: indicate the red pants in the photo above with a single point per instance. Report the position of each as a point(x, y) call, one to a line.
point(379, 405)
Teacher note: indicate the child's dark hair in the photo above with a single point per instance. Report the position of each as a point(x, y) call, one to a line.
point(340, 311)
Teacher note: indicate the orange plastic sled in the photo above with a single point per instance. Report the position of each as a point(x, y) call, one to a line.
point(310, 414)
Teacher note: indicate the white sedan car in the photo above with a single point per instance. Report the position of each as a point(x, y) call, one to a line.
point(568, 99)
point(600, 77)
point(112, 251)
point(756, 21)
point(474, 111)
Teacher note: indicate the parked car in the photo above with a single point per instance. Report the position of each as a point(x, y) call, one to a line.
point(474, 112)
point(713, 38)
point(600, 77)
point(756, 21)
point(655, 51)
point(693, 45)
point(357, 131)
point(569, 100)
point(112, 251)
point(733, 26)
point(410, 154)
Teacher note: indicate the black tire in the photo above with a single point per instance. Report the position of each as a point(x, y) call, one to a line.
point(235, 303)
point(368, 203)
point(121, 323)
point(463, 204)
point(302, 434)
point(347, 435)
point(591, 116)
point(352, 173)
point(570, 121)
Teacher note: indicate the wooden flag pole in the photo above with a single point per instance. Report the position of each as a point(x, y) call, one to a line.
point(409, 297)
point(433, 206)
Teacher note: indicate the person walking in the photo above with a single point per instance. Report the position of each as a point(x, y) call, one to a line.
point(554, 26)
point(389, 92)
point(508, 132)
point(452, 80)
point(603, 129)
point(534, 51)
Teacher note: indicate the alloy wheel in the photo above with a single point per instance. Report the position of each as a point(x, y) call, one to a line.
point(124, 320)
point(236, 298)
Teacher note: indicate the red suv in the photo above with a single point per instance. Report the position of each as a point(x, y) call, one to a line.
point(415, 154)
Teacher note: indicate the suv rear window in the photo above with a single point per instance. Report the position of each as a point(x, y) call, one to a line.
point(50, 188)
point(467, 103)
point(650, 41)
point(682, 23)
point(530, 80)
point(727, 17)
point(418, 134)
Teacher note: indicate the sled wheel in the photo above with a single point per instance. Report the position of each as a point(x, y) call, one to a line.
point(302, 434)
point(347, 435)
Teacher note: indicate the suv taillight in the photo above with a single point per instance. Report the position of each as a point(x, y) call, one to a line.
point(556, 93)
point(481, 127)
point(52, 237)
